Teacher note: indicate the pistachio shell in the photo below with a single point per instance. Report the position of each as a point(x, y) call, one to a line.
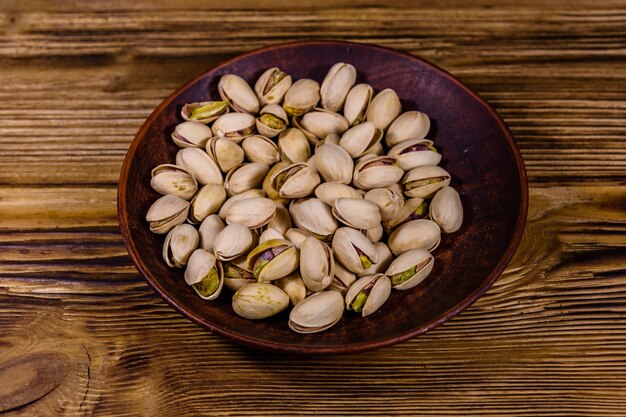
point(226, 153)
point(415, 264)
point(267, 183)
point(343, 279)
point(179, 243)
point(198, 163)
point(206, 202)
point(199, 266)
point(376, 172)
point(416, 234)
point(251, 212)
point(191, 135)
point(204, 111)
point(360, 138)
point(272, 120)
point(384, 259)
point(296, 236)
point(259, 301)
point(236, 91)
point(315, 217)
point(424, 181)
point(281, 221)
point(409, 125)
point(389, 202)
point(260, 149)
point(446, 209)
point(236, 274)
point(234, 126)
point(321, 123)
point(209, 229)
point(375, 233)
point(336, 85)
point(234, 240)
point(232, 200)
point(317, 313)
point(379, 293)
point(272, 85)
point(328, 192)
point(172, 179)
point(295, 181)
point(317, 264)
point(414, 153)
point(245, 177)
point(166, 213)
point(357, 213)
point(293, 286)
point(301, 97)
point(353, 249)
point(334, 164)
point(384, 108)
point(357, 102)
point(293, 146)
point(270, 234)
point(273, 259)
point(412, 209)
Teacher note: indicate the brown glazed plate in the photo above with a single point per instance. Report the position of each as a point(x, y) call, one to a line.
point(478, 150)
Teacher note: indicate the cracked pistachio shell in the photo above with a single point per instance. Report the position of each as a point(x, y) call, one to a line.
point(251, 212)
point(206, 202)
point(376, 172)
point(179, 243)
point(199, 266)
point(204, 111)
point(384, 259)
point(236, 274)
point(334, 164)
point(409, 125)
point(296, 236)
point(269, 234)
point(389, 202)
point(191, 135)
point(446, 209)
point(233, 241)
point(272, 120)
point(226, 153)
point(293, 286)
point(384, 108)
point(278, 265)
point(232, 200)
point(259, 301)
point(166, 213)
point(302, 96)
point(267, 183)
point(414, 153)
point(172, 179)
point(281, 221)
point(380, 291)
point(199, 164)
point(272, 85)
point(236, 91)
point(357, 213)
point(260, 149)
point(416, 234)
point(314, 217)
point(293, 146)
point(424, 181)
point(328, 192)
point(357, 102)
point(360, 138)
point(354, 250)
point(209, 229)
point(295, 180)
point(336, 85)
point(234, 126)
point(317, 312)
point(415, 264)
point(343, 279)
point(318, 124)
point(412, 209)
point(317, 264)
point(244, 177)
point(375, 233)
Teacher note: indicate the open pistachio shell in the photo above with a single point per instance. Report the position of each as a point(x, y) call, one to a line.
point(166, 213)
point(416, 234)
point(424, 181)
point(412, 209)
point(409, 125)
point(376, 172)
point(233, 241)
point(336, 85)
point(414, 153)
point(302, 96)
point(273, 259)
point(226, 153)
point(272, 85)
point(446, 210)
point(259, 301)
point(389, 202)
point(368, 294)
point(204, 111)
point(357, 102)
point(179, 243)
point(172, 179)
point(317, 312)
point(384, 259)
point(236, 274)
point(236, 91)
point(191, 135)
point(272, 120)
point(317, 264)
point(410, 268)
point(204, 273)
point(354, 250)
point(295, 181)
point(234, 126)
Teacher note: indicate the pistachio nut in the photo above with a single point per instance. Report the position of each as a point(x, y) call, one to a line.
point(233, 241)
point(259, 301)
point(412, 209)
point(336, 85)
point(301, 97)
point(281, 221)
point(273, 259)
point(446, 209)
point(317, 264)
point(232, 200)
point(236, 91)
point(314, 217)
point(416, 234)
point(293, 146)
point(330, 138)
point(272, 120)
point(357, 102)
point(377, 149)
point(295, 180)
point(389, 202)
point(334, 164)
point(376, 172)
point(316, 125)
point(375, 233)
point(317, 312)
point(368, 294)
point(357, 213)
point(204, 273)
point(384, 259)
point(234, 126)
point(414, 153)
point(199, 164)
point(166, 213)
point(424, 181)
point(293, 286)
point(251, 212)
point(209, 229)
point(267, 183)
point(191, 135)
point(244, 177)
point(410, 268)
point(354, 250)
point(179, 243)
point(272, 85)
point(236, 275)
point(269, 234)
point(342, 280)
point(296, 236)
point(384, 108)
point(328, 192)
point(205, 111)
point(206, 202)
point(260, 149)
point(226, 153)
point(360, 138)
point(409, 125)
point(172, 179)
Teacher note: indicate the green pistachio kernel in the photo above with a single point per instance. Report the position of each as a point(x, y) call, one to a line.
point(365, 261)
point(208, 285)
point(209, 110)
point(273, 122)
point(258, 267)
point(359, 302)
point(401, 277)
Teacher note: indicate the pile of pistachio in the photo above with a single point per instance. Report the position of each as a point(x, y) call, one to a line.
point(325, 208)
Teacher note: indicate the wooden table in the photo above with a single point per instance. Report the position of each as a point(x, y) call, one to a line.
point(82, 334)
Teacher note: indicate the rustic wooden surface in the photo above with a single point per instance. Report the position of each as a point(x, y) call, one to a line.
point(82, 334)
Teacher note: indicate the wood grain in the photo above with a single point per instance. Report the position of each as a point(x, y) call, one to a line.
point(77, 79)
